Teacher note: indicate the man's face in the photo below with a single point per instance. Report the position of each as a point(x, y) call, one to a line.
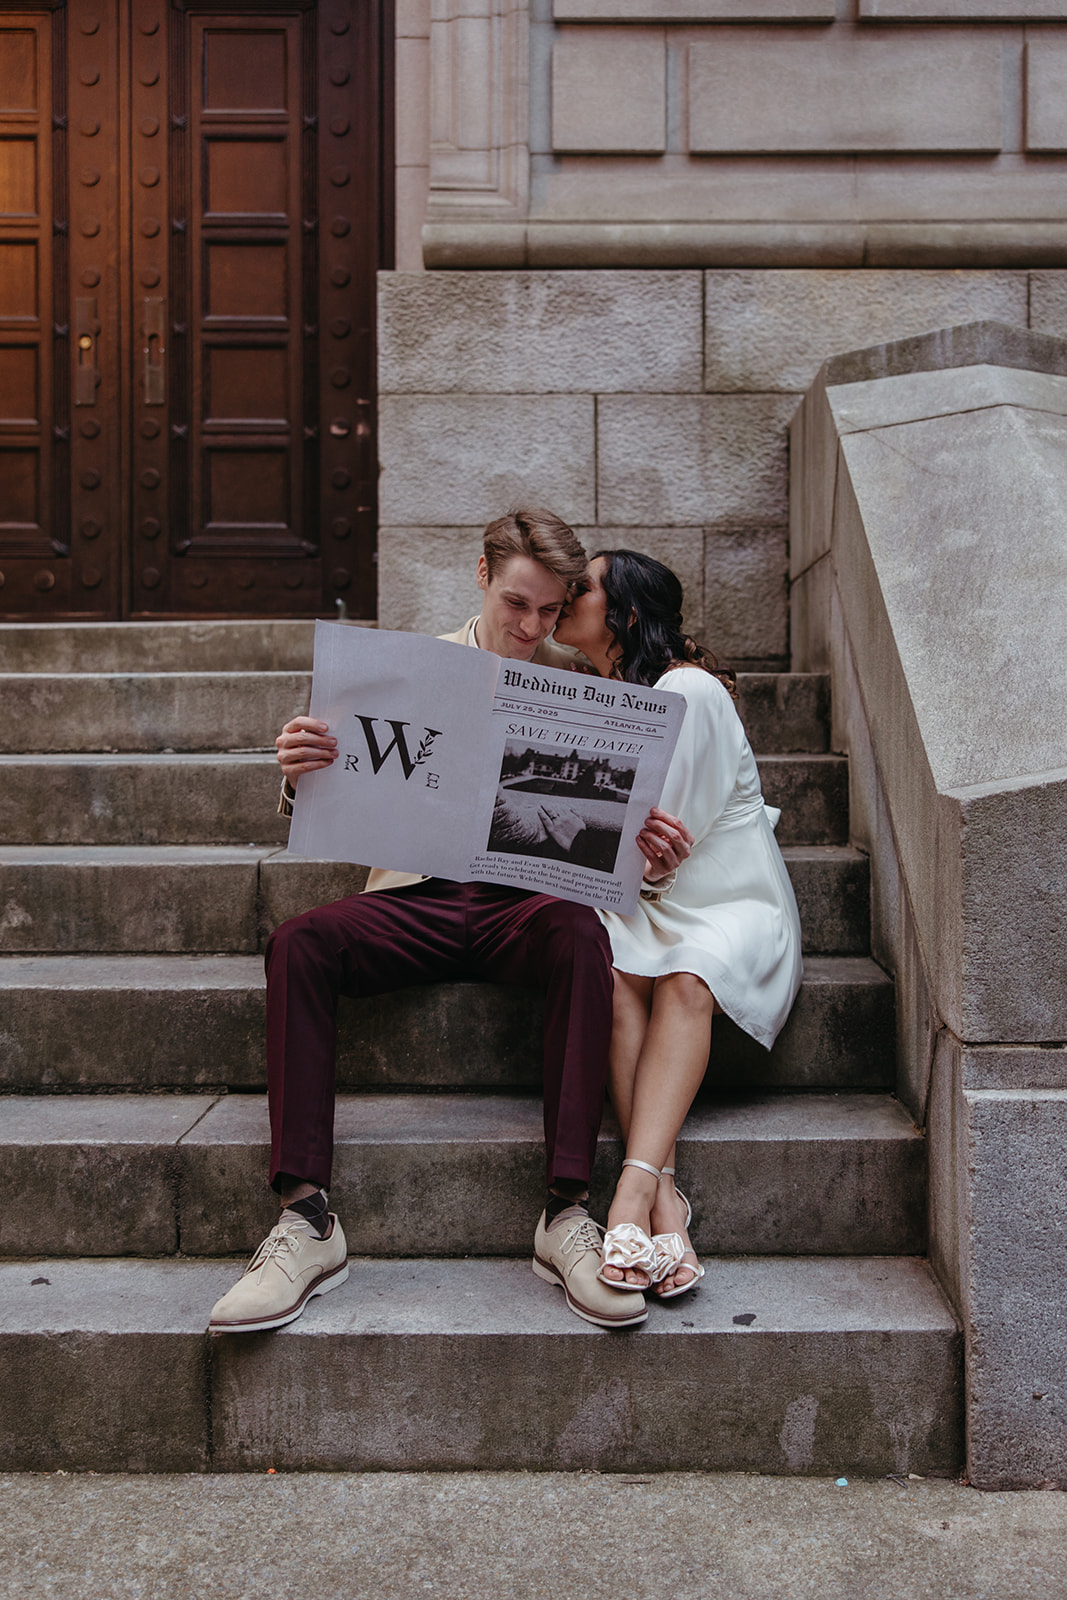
point(519, 606)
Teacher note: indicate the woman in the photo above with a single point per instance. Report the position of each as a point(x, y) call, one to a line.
point(716, 929)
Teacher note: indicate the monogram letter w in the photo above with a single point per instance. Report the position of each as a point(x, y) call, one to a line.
point(378, 757)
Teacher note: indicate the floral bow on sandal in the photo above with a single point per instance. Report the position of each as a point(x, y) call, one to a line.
point(629, 1247)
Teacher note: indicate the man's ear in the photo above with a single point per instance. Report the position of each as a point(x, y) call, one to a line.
point(482, 573)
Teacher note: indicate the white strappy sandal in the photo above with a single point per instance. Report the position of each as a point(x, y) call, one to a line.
point(672, 1249)
point(629, 1248)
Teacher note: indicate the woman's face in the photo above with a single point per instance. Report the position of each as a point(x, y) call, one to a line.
point(582, 621)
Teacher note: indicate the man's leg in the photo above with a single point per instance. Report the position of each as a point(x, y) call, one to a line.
point(562, 949)
point(535, 941)
point(363, 945)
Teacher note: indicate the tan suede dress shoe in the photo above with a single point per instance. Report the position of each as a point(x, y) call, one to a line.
point(568, 1253)
point(291, 1267)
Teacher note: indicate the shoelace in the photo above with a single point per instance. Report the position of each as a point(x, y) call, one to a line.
point(585, 1235)
point(284, 1236)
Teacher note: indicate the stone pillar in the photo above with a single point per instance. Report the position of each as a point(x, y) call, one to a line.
point(479, 119)
point(928, 569)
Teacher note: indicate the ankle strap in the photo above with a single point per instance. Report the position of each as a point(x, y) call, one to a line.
point(666, 1172)
point(630, 1162)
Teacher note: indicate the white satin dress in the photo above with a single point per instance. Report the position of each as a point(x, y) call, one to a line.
point(731, 916)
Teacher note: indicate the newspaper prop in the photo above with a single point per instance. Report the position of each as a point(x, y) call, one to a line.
point(458, 764)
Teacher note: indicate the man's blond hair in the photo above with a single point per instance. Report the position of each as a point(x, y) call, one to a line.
point(533, 531)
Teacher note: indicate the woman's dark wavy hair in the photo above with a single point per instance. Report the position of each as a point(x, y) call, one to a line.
point(644, 614)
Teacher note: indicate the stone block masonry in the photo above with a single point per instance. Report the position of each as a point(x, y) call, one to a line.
point(809, 90)
point(625, 109)
point(648, 408)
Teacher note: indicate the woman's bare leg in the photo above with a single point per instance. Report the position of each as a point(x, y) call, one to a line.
point(669, 1070)
point(632, 1003)
point(631, 1007)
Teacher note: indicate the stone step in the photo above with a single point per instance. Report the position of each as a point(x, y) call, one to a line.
point(226, 898)
point(189, 710)
point(186, 1022)
point(445, 1174)
point(161, 711)
point(255, 645)
point(838, 1366)
point(232, 798)
point(157, 898)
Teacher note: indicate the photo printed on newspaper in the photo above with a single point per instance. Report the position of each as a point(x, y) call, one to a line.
point(573, 766)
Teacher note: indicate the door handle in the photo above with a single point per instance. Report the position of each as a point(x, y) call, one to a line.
point(154, 351)
point(86, 329)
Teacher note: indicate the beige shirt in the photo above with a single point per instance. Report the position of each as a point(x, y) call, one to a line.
point(547, 654)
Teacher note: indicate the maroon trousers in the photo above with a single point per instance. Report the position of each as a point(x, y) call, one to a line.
point(371, 943)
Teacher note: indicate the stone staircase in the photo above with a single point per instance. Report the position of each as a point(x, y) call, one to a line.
point(141, 868)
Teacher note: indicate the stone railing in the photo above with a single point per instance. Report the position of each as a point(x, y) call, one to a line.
point(929, 572)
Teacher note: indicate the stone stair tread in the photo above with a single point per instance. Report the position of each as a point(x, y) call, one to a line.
point(147, 854)
point(485, 1118)
point(138, 855)
point(226, 677)
point(150, 760)
point(177, 971)
point(264, 755)
point(824, 852)
point(401, 1118)
point(801, 1294)
point(80, 647)
point(122, 972)
point(844, 969)
point(101, 1119)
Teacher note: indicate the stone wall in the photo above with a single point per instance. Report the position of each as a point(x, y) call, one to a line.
point(647, 408)
point(565, 133)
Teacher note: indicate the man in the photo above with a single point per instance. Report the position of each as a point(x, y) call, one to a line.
point(403, 930)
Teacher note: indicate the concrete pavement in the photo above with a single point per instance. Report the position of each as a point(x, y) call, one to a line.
point(525, 1536)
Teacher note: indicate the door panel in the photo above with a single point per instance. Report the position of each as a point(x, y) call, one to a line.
point(60, 490)
point(249, 512)
point(187, 360)
point(27, 340)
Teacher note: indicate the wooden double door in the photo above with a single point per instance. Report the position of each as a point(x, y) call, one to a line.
point(190, 223)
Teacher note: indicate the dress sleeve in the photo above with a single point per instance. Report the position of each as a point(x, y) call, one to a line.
point(703, 770)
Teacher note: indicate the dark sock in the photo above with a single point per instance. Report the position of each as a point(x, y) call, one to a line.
point(315, 1209)
point(557, 1203)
